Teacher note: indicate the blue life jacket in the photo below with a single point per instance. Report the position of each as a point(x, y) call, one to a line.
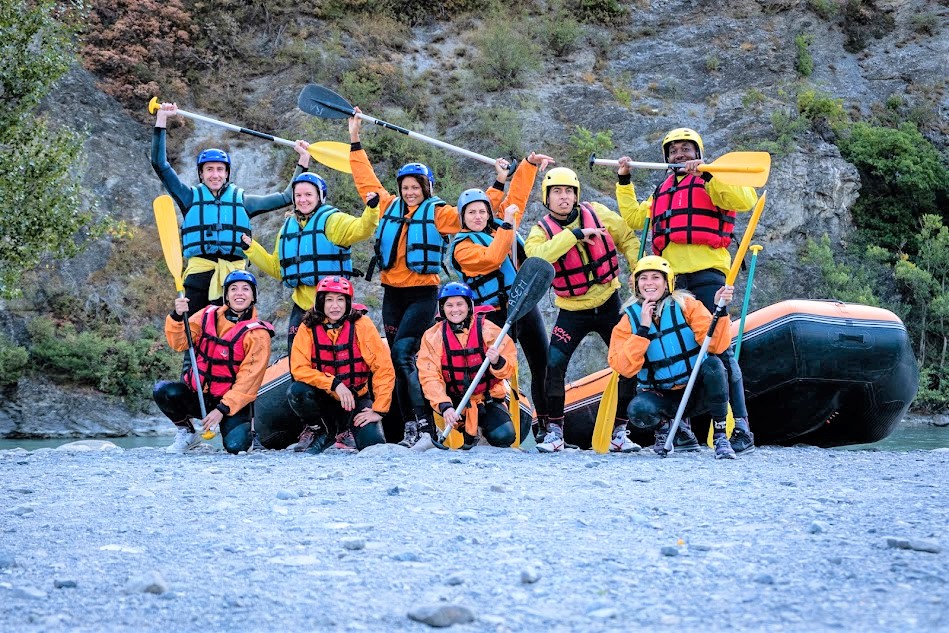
point(307, 255)
point(424, 244)
point(490, 289)
point(672, 350)
point(213, 226)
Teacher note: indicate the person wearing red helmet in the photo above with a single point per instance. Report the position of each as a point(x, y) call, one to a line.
point(313, 243)
point(414, 226)
point(232, 349)
point(343, 376)
point(216, 213)
point(693, 216)
point(450, 355)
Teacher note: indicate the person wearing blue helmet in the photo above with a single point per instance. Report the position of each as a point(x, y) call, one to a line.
point(414, 226)
point(483, 254)
point(451, 353)
point(216, 213)
point(232, 350)
point(314, 243)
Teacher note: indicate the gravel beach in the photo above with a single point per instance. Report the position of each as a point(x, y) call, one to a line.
point(97, 538)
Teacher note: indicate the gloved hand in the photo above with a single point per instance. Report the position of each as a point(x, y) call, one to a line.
point(372, 200)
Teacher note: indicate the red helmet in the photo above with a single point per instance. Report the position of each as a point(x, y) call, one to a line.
point(335, 284)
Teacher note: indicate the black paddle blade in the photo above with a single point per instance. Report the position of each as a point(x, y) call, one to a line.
point(324, 103)
point(532, 282)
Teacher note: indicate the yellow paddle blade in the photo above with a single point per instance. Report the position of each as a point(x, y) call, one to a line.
point(746, 239)
point(333, 154)
point(455, 439)
point(514, 407)
point(744, 169)
point(729, 427)
point(606, 416)
point(167, 222)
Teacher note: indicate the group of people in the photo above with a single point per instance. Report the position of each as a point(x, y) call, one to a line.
point(437, 336)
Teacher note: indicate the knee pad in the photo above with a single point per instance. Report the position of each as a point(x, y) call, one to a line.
point(502, 435)
point(237, 439)
point(643, 415)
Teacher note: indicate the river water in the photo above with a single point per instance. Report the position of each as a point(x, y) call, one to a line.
point(909, 436)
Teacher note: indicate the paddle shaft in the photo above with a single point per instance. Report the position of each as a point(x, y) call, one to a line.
point(744, 305)
point(228, 126)
point(474, 381)
point(642, 238)
point(195, 374)
point(615, 163)
point(427, 139)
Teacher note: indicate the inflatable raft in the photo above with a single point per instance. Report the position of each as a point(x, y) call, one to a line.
point(823, 373)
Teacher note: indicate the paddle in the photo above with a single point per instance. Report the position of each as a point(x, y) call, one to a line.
point(719, 312)
point(333, 154)
point(745, 169)
point(532, 281)
point(326, 104)
point(167, 223)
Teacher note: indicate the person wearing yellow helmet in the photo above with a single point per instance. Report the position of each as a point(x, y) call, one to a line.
point(658, 340)
point(581, 240)
point(692, 218)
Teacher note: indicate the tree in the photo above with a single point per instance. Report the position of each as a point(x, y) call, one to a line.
point(41, 211)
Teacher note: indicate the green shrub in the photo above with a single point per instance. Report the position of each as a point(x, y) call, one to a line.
point(123, 368)
point(582, 143)
point(752, 97)
point(820, 108)
point(804, 62)
point(560, 30)
point(824, 8)
point(837, 280)
point(13, 362)
point(506, 58)
point(604, 12)
point(925, 23)
point(862, 21)
point(712, 62)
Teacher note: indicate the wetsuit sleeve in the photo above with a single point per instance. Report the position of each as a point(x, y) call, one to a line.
point(630, 209)
point(344, 230)
point(476, 260)
point(301, 365)
point(175, 331)
point(173, 184)
point(699, 319)
point(537, 244)
point(731, 197)
point(366, 181)
point(507, 350)
point(379, 359)
point(257, 205)
point(250, 374)
point(627, 350)
point(430, 367)
point(625, 239)
point(267, 262)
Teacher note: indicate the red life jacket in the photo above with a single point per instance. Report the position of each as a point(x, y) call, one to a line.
point(584, 264)
point(220, 357)
point(342, 359)
point(685, 214)
point(461, 363)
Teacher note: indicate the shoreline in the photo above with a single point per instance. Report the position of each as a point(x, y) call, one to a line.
point(791, 539)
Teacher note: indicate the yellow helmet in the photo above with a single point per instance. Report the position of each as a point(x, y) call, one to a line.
point(682, 134)
point(559, 176)
point(657, 263)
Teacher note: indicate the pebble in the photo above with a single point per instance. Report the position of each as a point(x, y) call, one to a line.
point(64, 584)
point(817, 527)
point(530, 575)
point(151, 582)
point(917, 545)
point(394, 490)
point(599, 483)
point(468, 515)
point(7, 560)
point(406, 557)
point(442, 616)
point(22, 510)
point(286, 494)
point(454, 580)
point(605, 613)
point(29, 593)
point(669, 550)
point(353, 543)
point(498, 488)
point(764, 579)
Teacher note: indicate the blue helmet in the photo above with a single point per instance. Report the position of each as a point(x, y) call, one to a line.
point(213, 155)
point(467, 197)
point(240, 275)
point(314, 180)
point(417, 169)
point(455, 289)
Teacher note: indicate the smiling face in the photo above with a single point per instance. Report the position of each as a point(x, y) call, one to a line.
point(561, 199)
point(334, 306)
point(681, 151)
point(411, 191)
point(305, 197)
point(214, 175)
point(651, 285)
point(240, 296)
point(455, 309)
point(476, 216)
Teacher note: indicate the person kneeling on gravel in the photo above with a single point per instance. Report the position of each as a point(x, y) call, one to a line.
point(342, 371)
point(452, 351)
point(232, 349)
point(658, 339)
